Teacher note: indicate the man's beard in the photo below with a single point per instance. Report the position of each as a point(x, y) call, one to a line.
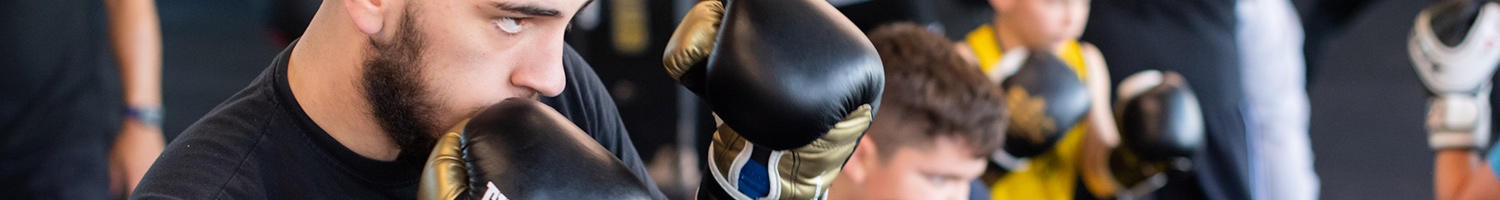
point(397, 96)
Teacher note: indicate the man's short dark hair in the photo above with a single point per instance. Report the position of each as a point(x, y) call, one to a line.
point(931, 93)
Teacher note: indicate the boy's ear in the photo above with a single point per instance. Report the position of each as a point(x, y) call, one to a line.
point(368, 15)
point(860, 163)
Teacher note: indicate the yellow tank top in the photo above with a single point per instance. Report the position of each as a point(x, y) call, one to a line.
point(987, 49)
point(1051, 175)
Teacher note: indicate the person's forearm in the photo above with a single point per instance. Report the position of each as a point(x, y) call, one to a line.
point(136, 36)
point(1461, 174)
point(1452, 171)
point(135, 149)
point(1103, 135)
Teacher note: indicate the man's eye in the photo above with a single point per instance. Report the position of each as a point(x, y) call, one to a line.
point(509, 25)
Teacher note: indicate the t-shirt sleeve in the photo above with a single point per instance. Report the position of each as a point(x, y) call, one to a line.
point(586, 102)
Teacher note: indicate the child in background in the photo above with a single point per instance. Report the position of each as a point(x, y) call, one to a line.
point(1050, 26)
point(939, 120)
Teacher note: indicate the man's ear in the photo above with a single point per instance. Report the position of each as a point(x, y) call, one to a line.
point(864, 159)
point(367, 15)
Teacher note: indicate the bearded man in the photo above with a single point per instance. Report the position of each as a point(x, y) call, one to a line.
point(353, 108)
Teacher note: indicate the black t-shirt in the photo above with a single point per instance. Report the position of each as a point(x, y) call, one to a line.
point(260, 144)
point(60, 100)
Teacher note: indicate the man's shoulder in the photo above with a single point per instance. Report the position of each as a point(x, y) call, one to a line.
point(240, 119)
point(210, 155)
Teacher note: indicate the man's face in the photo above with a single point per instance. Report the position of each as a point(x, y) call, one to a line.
point(940, 171)
point(444, 60)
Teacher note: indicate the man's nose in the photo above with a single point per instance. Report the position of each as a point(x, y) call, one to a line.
point(542, 71)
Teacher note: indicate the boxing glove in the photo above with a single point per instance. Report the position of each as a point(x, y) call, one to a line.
point(1159, 116)
point(1453, 49)
point(1045, 99)
point(795, 83)
point(522, 149)
point(781, 72)
point(1161, 126)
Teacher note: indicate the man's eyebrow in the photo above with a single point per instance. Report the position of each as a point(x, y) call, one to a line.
point(532, 10)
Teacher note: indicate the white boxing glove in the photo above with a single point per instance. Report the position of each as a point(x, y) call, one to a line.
point(1457, 76)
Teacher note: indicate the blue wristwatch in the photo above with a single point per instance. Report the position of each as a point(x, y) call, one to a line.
point(151, 116)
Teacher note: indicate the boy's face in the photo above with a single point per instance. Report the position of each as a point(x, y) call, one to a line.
point(1043, 24)
point(942, 170)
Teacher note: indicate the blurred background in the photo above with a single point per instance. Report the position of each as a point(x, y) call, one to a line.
point(1366, 101)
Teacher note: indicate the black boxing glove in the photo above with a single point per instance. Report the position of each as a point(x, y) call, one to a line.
point(1046, 100)
point(1161, 126)
point(781, 72)
point(795, 83)
point(1159, 116)
point(522, 149)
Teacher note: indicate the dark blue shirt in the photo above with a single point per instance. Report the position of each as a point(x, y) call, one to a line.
point(60, 100)
point(1197, 39)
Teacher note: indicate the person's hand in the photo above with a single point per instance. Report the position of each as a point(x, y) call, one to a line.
point(135, 148)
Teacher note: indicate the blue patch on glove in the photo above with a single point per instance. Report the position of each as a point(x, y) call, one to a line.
point(754, 182)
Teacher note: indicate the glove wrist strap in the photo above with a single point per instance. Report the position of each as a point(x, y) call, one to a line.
point(1456, 121)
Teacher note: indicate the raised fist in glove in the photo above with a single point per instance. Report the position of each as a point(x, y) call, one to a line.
point(796, 84)
point(1046, 98)
point(1453, 47)
point(1161, 127)
point(522, 149)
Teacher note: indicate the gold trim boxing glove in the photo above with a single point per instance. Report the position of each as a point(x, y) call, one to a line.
point(745, 171)
point(445, 176)
point(694, 38)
